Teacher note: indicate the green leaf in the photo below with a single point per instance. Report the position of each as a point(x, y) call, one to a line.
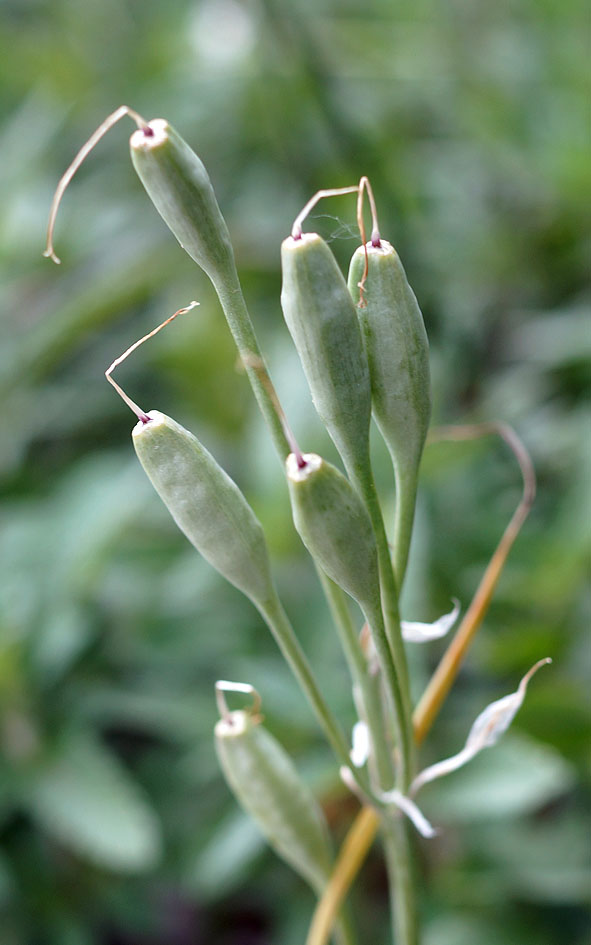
point(224, 862)
point(88, 802)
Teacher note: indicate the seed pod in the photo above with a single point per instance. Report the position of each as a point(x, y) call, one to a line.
point(397, 351)
point(321, 319)
point(205, 503)
point(178, 185)
point(398, 356)
point(334, 526)
point(268, 787)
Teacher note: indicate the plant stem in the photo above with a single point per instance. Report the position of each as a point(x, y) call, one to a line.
point(404, 513)
point(232, 300)
point(364, 828)
point(401, 879)
point(449, 665)
point(375, 620)
point(358, 666)
point(349, 860)
point(393, 662)
point(281, 628)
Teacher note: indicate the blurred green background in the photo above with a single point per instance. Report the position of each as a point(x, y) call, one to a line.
point(469, 118)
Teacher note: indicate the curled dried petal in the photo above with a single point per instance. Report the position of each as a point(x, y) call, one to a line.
point(417, 632)
point(411, 810)
point(360, 751)
point(485, 732)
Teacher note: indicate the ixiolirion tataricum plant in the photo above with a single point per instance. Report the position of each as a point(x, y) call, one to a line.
point(364, 351)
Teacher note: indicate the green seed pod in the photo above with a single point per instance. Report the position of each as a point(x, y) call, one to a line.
point(398, 355)
point(179, 187)
point(268, 787)
point(334, 526)
point(397, 350)
point(206, 504)
point(321, 319)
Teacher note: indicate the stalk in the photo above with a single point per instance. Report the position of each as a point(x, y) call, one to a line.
point(397, 673)
point(363, 830)
point(240, 324)
point(401, 882)
point(391, 683)
point(358, 666)
point(404, 513)
point(278, 622)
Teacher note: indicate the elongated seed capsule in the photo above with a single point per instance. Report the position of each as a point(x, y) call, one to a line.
point(322, 321)
point(213, 513)
point(335, 527)
point(266, 784)
point(398, 355)
point(205, 503)
point(179, 186)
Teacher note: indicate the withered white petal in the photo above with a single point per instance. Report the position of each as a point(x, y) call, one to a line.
point(497, 717)
point(417, 632)
point(485, 732)
point(348, 779)
point(360, 750)
point(411, 810)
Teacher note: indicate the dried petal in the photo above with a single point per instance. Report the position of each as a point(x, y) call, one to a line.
point(360, 750)
point(497, 717)
point(416, 632)
point(411, 810)
point(485, 732)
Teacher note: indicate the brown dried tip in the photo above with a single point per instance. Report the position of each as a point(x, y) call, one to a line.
point(83, 153)
point(140, 414)
point(296, 230)
point(365, 187)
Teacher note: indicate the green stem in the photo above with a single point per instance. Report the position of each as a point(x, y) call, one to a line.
point(281, 628)
point(358, 666)
point(406, 495)
point(392, 656)
point(375, 619)
point(232, 300)
point(401, 881)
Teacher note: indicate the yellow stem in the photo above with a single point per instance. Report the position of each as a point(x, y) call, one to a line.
point(350, 859)
point(361, 834)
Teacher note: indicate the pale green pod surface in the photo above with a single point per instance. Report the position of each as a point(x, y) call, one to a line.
point(397, 351)
point(334, 526)
point(268, 787)
point(321, 318)
point(179, 187)
point(205, 503)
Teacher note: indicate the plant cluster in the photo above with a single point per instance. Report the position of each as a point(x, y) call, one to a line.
point(364, 350)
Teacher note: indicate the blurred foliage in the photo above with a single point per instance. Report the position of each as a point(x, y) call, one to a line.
point(115, 825)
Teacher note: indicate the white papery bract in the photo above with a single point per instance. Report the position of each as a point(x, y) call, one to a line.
point(417, 632)
point(361, 744)
point(485, 732)
point(408, 807)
